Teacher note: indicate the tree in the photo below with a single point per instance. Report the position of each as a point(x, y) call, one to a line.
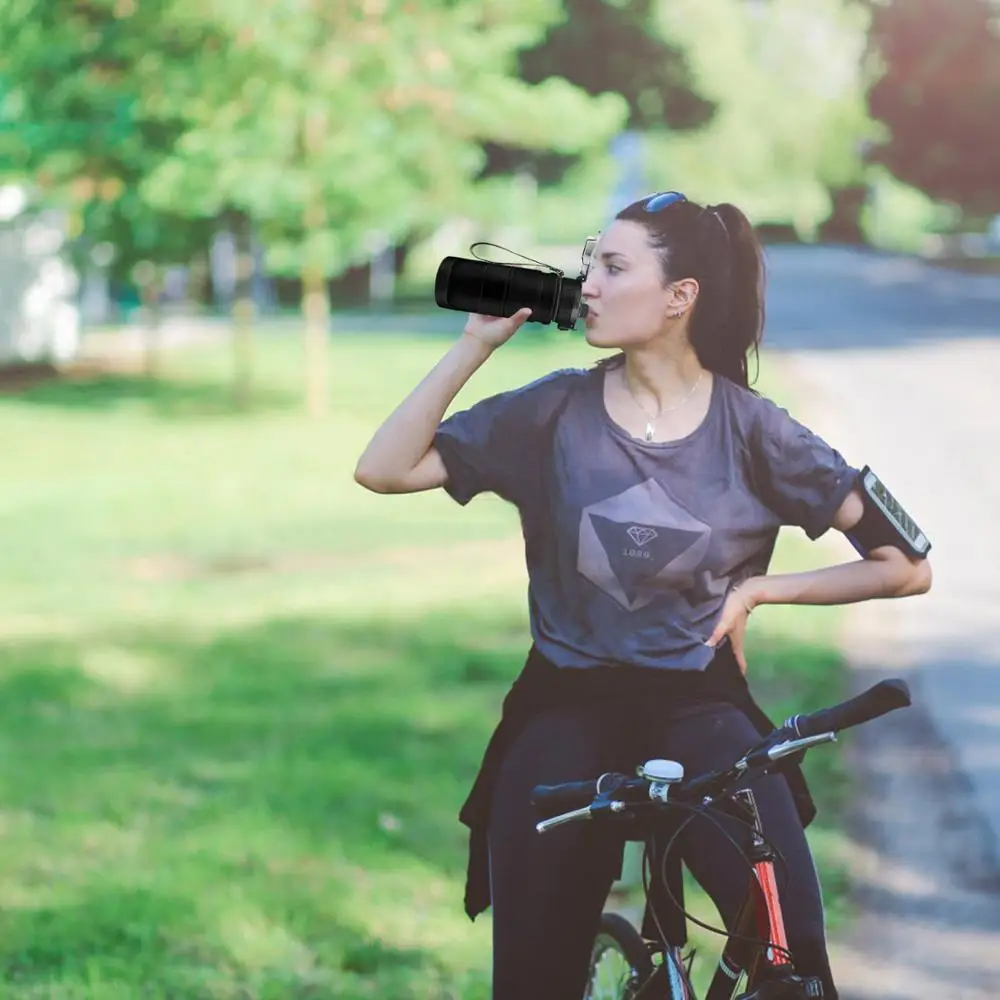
point(791, 122)
point(82, 125)
point(938, 93)
point(602, 47)
point(362, 116)
point(605, 46)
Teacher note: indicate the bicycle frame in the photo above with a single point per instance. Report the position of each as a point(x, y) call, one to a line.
point(760, 919)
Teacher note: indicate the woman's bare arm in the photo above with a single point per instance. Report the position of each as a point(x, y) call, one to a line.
point(400, 458)
point(885, 572)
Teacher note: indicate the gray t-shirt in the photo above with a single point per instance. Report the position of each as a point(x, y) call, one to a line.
point(631, 547)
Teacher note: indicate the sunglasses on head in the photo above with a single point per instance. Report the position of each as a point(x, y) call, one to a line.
point(664, 199)
point(654, 203)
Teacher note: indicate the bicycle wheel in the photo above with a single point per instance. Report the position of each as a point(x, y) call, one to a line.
point(620, 961)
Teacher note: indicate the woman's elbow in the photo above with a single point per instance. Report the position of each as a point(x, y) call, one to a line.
point(916, 577)
point(923, 576)
point(370, 480)
point(905, 576)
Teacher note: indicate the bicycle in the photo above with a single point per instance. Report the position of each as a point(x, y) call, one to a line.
point(756, 963)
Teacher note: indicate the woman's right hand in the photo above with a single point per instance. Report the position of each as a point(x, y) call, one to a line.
point(495, 330)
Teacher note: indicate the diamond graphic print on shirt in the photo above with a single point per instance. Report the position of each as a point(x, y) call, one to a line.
point(641, 535)
point(640, 544)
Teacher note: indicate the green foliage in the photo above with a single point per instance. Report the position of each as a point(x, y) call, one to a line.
point(605, 46)
point(791, 122)
point(84, 117)
point(938, 90)
point(902, 218)
point(366, 117)
point(323, 123)
point(336, 126)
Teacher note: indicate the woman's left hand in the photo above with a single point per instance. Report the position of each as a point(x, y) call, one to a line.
point(733, 622)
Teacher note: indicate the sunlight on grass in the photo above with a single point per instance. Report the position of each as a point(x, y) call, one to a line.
point(125, 671)
point(256, 943)
point(243, 699)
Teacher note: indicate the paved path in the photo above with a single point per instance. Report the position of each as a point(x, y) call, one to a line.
point(898, 365)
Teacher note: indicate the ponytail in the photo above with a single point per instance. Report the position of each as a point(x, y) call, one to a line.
point(728, 320)
point(717, 246)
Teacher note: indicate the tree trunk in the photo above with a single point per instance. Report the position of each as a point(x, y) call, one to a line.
point(844, 222)
point(315, 293)
point(147, 278)
point(197, 290)
point(243, 316)
point(316, 308)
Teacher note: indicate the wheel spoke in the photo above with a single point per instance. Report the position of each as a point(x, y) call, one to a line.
point(611, 977)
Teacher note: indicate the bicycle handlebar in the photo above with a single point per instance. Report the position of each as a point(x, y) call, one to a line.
point(575, 795)
point(570, 795)
point(881, 699)
point(612, 792)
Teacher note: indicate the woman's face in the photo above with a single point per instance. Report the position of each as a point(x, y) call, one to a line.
point(627, 301)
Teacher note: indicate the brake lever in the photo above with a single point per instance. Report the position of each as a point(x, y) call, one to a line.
point(597, 808)
point(780, 750)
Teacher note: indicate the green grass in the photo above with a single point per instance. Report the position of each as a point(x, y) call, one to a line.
point(241, 699)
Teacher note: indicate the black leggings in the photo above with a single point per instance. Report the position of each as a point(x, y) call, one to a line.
point(548, 890)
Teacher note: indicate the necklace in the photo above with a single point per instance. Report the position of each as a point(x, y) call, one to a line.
point(651, 421)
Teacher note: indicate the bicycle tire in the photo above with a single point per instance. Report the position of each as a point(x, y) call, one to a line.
point(616, 936)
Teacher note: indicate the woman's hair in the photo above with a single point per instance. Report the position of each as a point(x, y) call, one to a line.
point(717, 246)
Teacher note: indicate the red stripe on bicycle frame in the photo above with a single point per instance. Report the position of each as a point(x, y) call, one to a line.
point(775, 932)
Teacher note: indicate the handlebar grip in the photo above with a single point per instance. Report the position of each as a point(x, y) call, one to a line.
point(549, 800)
point(884, 697)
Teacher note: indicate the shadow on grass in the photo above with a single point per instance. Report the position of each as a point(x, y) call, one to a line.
point(171, 396)
point(129, 941)
point(298, 715)
point(126, 928)
point(292, 765)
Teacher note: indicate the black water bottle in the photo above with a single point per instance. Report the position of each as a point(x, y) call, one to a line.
point(492, 289)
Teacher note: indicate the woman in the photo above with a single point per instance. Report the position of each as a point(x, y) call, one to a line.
point(651, 488)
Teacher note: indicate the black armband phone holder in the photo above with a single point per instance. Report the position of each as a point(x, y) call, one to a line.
point(884, 522)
